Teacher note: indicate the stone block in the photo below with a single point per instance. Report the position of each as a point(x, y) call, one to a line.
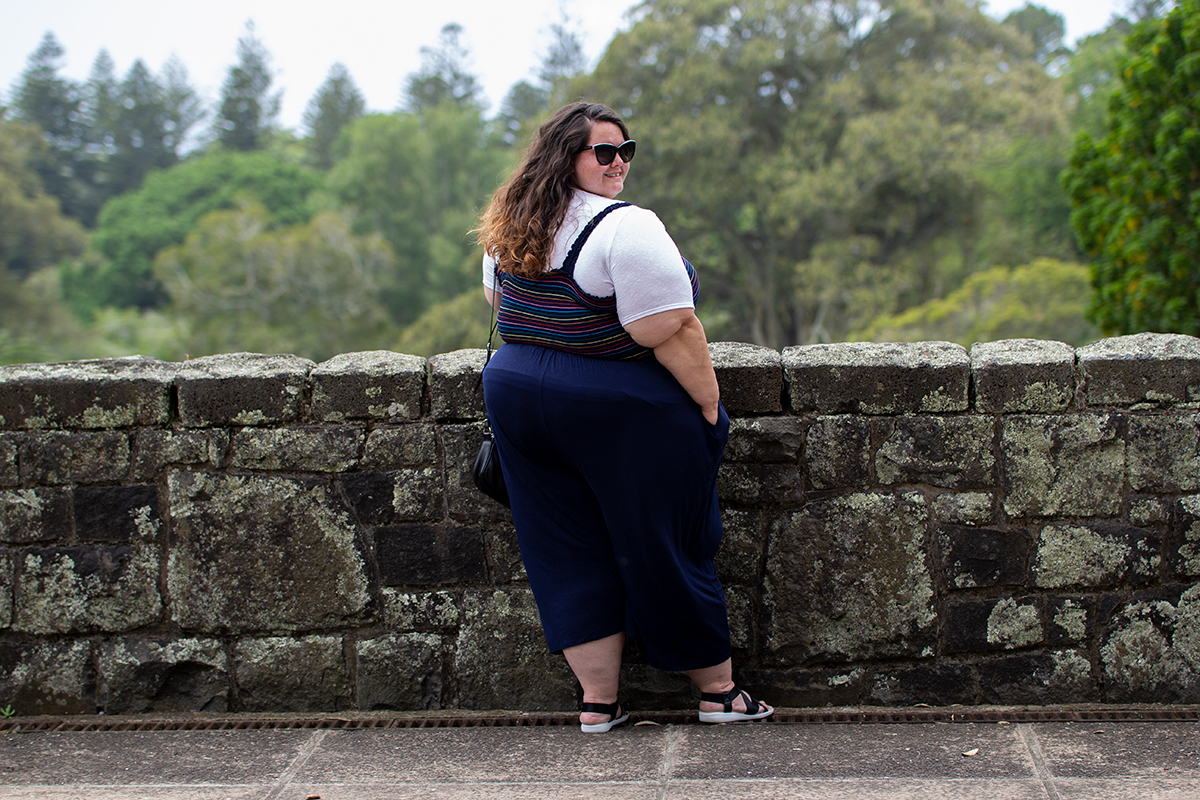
point(402, 495)
point(428, 612)
point(1183, 544)
point(1023, 376)
point(979, 625)
point(253, 553)
point(964, 508)
point(455, 389)
point(1142, 368)
point(752, 484)
point(1095, 554)
point(7, 585)
point(156, 449)
point(1145, 512)
point(977, 557)
point(848, 578)
point(837, 453)
point(815, 687)
point(765, 439)
point(143, 675)
point(1053, 678)
point(739, 559)
point(279, 674)
point(464, 501)
point(35, 515)
point(950, 452)
point(378, 385)
point(301, 448)
point(48, 677)
point(86, 589)
point(874, 378)
point(1163, 453)
point(403, 446)
point(1150, 651)
point(9, 474)
point(401, 672)
point(750, 377)
point(1070, 620)
point(941, 684)
point(504, 554)
point(108, 393)
point(425, 555)
point(242, 389)
point(62, 457)
point(501, 656)
point(117, 513)
point(1063, 466)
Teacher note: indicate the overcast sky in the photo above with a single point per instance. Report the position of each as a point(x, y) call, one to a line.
point(379, 41)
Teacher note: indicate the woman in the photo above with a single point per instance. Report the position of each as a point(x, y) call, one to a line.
point(607, 418)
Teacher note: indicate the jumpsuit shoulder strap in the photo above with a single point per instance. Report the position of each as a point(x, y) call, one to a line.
point(568, 267)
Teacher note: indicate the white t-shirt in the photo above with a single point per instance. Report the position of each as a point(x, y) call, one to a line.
point(629, 254)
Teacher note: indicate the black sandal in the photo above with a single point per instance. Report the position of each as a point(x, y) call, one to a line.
point(614, 710)
point(754, 709)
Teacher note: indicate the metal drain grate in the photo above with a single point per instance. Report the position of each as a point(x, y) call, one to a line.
point(236, 722)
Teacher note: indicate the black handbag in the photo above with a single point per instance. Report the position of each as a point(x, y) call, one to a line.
point(486, 470)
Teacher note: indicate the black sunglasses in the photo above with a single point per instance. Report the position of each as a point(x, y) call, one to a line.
point(605, 153)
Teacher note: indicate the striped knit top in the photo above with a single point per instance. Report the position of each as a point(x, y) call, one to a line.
point(553, 311)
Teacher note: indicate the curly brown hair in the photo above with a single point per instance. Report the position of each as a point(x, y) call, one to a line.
point(518, 227)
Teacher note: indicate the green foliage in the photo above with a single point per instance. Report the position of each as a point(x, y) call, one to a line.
point(136, 226)
point(247, 111)
point(1136, 192)
point(420, 181)
point(335, 105)
point(312, 290)
point(1042, 300)
point(457, 323)
point(33, 233)
point(818, 162)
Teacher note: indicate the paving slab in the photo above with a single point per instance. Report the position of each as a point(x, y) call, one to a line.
point(925, 761)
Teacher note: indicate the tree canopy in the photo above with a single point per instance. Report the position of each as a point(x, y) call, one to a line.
point(1136, 192)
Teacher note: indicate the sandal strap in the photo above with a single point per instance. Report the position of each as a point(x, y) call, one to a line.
point(611, 709)
point(727, 698)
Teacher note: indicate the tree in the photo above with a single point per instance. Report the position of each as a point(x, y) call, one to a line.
point(444, 75)
point(1045, 299)
point(312, 289)
point(1136, 192)
point(184, 108)
point(52, 103)
point(337, 103)
point(34, 233)
point(1045, 28)
point(420, 181)
point(133, 227)
point(144, 132)
point(818, 161)
point(247, 111)
point(561, 63)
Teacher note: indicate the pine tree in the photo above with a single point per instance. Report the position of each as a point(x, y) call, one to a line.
point(248, 110)
point(337, 103)
point(443, 76)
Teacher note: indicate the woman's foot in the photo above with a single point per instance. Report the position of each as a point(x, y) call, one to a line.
point(734, 705)
point(601, 717)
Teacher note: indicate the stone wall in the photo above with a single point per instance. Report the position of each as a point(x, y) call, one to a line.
point(906, 523)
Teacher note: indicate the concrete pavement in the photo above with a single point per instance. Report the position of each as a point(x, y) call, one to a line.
point(653, 761)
